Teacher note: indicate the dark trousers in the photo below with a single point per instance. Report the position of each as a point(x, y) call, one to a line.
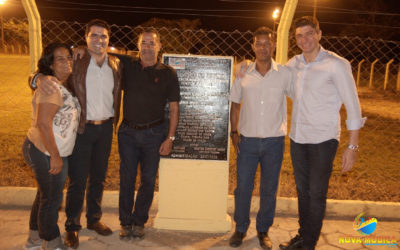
point(44, 212)
point(269, 153)
point(138, 146)
point(312, 164)
point(88, 164)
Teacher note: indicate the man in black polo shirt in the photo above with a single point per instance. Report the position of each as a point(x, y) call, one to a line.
point(148, 86)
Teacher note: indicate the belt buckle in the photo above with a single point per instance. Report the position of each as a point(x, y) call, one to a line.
point(98, 122)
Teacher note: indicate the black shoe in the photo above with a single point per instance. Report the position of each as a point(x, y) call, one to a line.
point(265, 241)
point(138, 231)
point(71, 239)
point(100, 228)
point(295, 243)
point(126, 232)
point(236, 239)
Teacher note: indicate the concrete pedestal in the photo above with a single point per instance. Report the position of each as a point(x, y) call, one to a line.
point(193, 195)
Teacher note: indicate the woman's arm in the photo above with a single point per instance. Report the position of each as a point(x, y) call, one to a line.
point(44, 120)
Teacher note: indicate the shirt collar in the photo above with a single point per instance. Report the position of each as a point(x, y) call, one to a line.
point(321, 55)
point(155, 66)
point(93, 61)
point(274, 66)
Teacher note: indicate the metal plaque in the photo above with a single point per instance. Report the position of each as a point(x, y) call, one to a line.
point(205, 81)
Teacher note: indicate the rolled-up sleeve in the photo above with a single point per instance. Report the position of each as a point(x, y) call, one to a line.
point(344, 81)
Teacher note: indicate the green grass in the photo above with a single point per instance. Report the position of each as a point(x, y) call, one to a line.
point(374, 177)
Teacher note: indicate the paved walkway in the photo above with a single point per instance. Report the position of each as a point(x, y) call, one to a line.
point(14, 229)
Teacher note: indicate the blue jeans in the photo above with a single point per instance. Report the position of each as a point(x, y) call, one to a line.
point(269, 153)
point(312, 164)
point(44, 212)
point(88, 164)
point(138, 146)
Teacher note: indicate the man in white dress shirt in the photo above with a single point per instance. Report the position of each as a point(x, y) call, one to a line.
point(262, 126)
point(323, 82)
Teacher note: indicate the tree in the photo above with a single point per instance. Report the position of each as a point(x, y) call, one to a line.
point(16, 32)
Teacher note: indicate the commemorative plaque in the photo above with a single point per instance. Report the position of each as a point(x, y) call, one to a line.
point(202, 132)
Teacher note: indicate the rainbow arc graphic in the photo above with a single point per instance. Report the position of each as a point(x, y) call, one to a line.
point(364, 227)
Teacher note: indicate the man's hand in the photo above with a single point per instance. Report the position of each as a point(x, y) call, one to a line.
point(166, 147)
point(78, 52)
point(241, 68)
point(56, 165)
point(348, 159)
point(235, 142)
point(47, 85)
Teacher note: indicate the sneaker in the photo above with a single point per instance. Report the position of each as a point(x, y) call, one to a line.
point(33, 242)
point(54, 244)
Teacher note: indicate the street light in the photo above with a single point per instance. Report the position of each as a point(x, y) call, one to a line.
point(1, 21)
point(275, 16)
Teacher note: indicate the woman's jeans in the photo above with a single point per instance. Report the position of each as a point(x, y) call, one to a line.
point(44, 212)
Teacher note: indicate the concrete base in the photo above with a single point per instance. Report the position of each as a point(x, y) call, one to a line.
point(193, 195)
point(199, 225)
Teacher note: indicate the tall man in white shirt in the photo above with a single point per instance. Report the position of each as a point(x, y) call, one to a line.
point(96, 81)
point(323, 81)
point(262, 126)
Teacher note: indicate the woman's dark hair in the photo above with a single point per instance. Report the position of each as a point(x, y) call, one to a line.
point(47, 57)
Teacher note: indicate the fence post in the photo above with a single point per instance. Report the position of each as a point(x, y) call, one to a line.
point(398, 79)
point(371, 74)
point(387, 74)
point(359, 71)
point(35, 32)
point(283, 31)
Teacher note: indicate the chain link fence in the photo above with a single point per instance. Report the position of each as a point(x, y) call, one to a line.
point(380, 97)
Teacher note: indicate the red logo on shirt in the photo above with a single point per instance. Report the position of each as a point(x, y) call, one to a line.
point(156, 80)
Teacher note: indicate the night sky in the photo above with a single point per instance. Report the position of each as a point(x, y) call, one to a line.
point(224, 15)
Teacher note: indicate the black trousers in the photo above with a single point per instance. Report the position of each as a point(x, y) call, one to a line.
point(312, 164)
point(88, 164)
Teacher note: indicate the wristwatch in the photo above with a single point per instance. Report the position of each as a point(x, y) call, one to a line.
point(172, 138)
point(353, 147)
point(234, 132)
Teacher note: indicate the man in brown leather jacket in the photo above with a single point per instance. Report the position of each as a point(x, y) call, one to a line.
point(97, 84)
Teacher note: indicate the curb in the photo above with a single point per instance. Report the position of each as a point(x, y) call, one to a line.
point(11, 197)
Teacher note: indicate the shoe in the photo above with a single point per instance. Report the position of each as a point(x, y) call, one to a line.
point(71, 239)
point(100, 228)
point(265, 241)
point(54, 244)
point(236, 239)
point(126, 232)
point(138, 231)
point(295, 243)
point(33, 242)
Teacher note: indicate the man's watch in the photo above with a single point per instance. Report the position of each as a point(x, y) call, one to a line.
point(172, 138)
point(234, 132)
point(353, 147)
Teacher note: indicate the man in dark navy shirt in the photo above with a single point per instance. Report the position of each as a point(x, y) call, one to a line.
point(148, 86)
